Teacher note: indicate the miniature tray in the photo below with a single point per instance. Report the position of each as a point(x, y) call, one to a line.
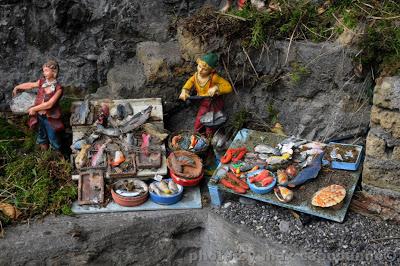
point(147, 162)
point(302, 195)
point(91, 188)
point(352, 166)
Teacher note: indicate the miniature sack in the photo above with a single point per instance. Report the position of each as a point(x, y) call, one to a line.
point(213, 119)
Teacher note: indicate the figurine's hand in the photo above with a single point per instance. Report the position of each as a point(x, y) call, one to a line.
point(213, 91)
point(31, 111)
point(15, 90)
point(184, 95)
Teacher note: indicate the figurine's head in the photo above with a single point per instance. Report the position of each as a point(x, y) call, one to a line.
point(206, 64)
point(50, 69)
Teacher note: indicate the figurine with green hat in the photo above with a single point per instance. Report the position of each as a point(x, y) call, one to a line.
point(208, 83)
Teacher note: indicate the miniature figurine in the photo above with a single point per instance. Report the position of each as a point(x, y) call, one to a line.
point(259, 4)
point(209, 85)
point(46, 111)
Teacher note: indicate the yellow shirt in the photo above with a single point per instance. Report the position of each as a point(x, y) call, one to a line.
point(224, 86)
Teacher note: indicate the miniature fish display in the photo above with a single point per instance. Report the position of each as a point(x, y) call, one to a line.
point(308, 173)
point(82, 157)
point(283, 194)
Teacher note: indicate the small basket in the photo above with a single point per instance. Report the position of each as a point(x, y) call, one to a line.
point(186, 134)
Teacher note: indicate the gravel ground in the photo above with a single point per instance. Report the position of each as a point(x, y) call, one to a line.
point(358, 240)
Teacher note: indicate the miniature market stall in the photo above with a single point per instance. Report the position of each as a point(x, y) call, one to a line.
point(302, 175)
point(118, 148)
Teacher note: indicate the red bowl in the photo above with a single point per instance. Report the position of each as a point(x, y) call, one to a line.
point(128, 201)
point(186, 182)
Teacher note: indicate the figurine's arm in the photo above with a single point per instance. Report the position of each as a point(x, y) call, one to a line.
point(46, 105)
point(186, 89)
point(25, 86)
point(224, 87)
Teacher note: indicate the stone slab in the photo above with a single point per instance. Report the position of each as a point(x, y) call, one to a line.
point(191, 200)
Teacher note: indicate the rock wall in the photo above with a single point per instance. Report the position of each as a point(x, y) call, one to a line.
point(87, 37)
point(312, 87)
point(382, 162)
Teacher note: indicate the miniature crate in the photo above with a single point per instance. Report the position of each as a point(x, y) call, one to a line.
point(346, 165)
point(91, 187)
point(132, 171)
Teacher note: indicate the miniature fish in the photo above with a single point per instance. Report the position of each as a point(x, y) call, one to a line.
point(186, 161)
point(121, 113)
point(111, 132)
point(291, 170)
point(163, 186)
point(125, 193)
point(83, 111)
point(262, 148)
point(221, 172)
point(99, 154)
point(308, 173)
point(282, 177)
point(77, 145)
point(306, 162)
point(144, 147)
point(201, 143)
point(118, 159)
point(313, 145)
point(82, 157)
point(137, 120)
point(173, 187)
point(175, 141)
point(266, 181)
point(155, 189)
point(293, 141)
point(176, 166)
point(287, 148)
point(193, 141)
point(258, 177)
point(278, 159)
point(128, 108)
point(154, 131)
point(283, 194)
point(335, 155)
